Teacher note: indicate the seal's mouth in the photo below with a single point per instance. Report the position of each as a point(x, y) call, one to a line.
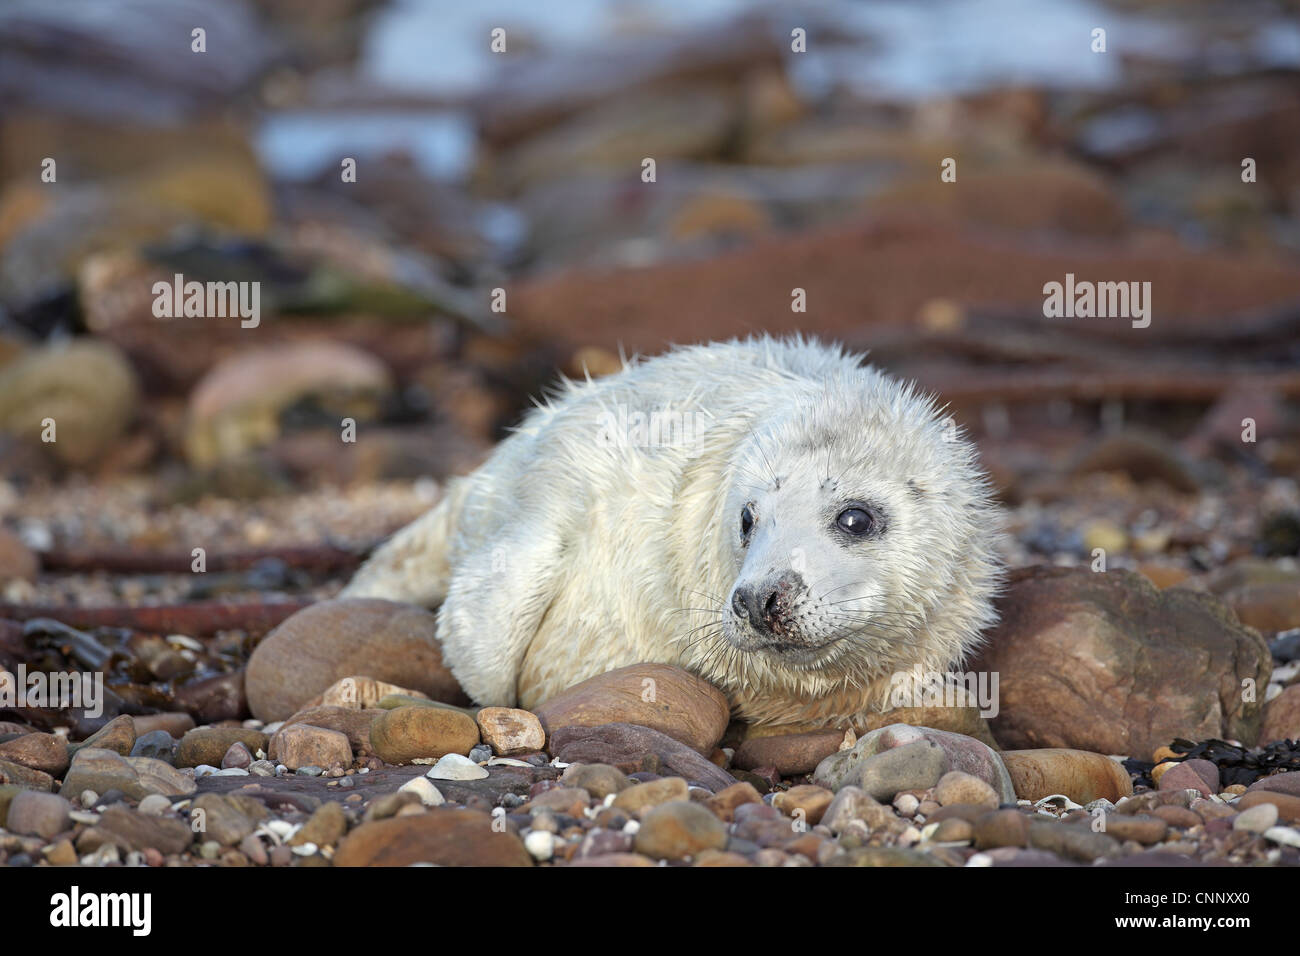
point(788, 653)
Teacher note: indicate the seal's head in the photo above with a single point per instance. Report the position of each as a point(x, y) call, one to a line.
point(862, 532)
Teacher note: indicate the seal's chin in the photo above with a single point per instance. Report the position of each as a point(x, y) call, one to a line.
point(780, 650)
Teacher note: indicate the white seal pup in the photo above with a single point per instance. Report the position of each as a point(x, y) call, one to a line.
point(795, 527)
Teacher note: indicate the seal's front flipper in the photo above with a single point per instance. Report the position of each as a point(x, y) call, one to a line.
point(411, 566)
point(494, 607)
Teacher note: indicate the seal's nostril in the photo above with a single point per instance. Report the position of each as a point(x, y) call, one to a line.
point(769, 606)
point(738, 603)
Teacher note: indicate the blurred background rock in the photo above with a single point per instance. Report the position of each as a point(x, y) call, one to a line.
point(521, 170)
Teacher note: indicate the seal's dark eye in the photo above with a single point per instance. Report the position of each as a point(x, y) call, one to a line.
point(855, 521)
point(746, 521)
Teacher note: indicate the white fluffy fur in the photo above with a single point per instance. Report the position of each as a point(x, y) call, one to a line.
point(566, 555)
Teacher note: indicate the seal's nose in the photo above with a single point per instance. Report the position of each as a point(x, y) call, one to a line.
point(762, 605)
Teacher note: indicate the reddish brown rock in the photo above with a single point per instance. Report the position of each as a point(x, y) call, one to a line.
point(724, 802)
point(176, 723)
point(571, 801)
point(811, 800)
point(444, 837)
point(510, 731)
point(623, 745)
point(303, 745)
point(1081, 776)
point(666, 698)
point(25, 777)
point(45, 752)
point(1287, 782)
point(614, 859)
point(679, 830)
point(405, 733)
point(1282, 717)
point(790, 754)
point(1288, 807)
point(1106, 662)
point(331, 640)
point(640, 797)
point(207, 745)
point(353, 724)
point(1191, 775)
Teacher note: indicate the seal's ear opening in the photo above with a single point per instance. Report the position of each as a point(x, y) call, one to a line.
point(916, 488)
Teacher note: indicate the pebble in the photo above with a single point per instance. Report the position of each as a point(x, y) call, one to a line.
point(884, 856)
point(47, 753)
point(325, 827)
point(1288, 783)
point(956, 787)
point(33, 813)
point(352, 723)
point(1287, 836)
point(118, 735)
point(1072, 842)
point(540, 844)
point(598, 779)
point(453, 766)
point(405, 733)
point(254, 849)
point(18, 775)
point(237, 757)
point(430, 796)
point(508, 730)
point(61, 853)
point(642, 796)
point(1256, 819)
point(913, 766)
point(851, 806)
point(154, 805)
point(1288, 807)
point(442, 836)
point(101, 771)
point(569, 801)
point(157, 744)
point(1192, 775)
point(1002, 828)
point(953, 830)
point(304, 745)
point(678, 830)
point(160, 777)
point(207, 745)
point(1141, 829)
point(226, 818)
point(958, 752)
point(1178, 816)
point(906, 804)
point(809, 800)
point(129, 830)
